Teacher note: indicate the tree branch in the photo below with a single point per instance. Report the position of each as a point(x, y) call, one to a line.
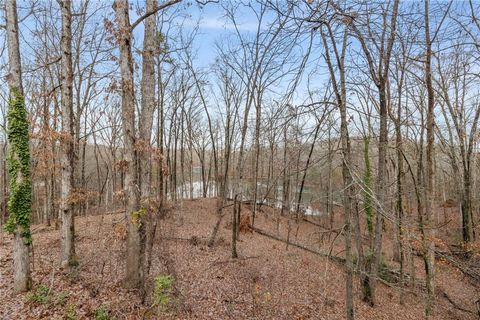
point(148, 14)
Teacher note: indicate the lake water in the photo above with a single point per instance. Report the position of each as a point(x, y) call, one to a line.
point(196, 190)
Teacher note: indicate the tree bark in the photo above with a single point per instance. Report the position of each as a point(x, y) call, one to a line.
point(148, 84)
point(134, 273)
point(67, 251)
point(429, 256)
point(20, 204)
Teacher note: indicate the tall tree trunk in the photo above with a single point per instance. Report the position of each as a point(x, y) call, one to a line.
point(134, 273)
point(223, 182)
point(368, 192)
point(148, 84)
point(466, 207)
point(4, 190)
point(339, 88)
point(381, 191)
point(329, 206)
point(379, 73)
point(238, 184)
point(429, 256)
point(349, 192)
point(67, 251)
point(160, 133)
point(307, 165)
point(399, 255)
point(20, 202)
point(258, 107)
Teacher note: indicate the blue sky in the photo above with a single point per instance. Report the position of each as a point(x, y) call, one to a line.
point(213, 26)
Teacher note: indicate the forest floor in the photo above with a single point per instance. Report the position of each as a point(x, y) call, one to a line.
point(267, 281)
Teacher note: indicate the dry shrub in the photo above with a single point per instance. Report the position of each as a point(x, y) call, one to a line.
point(120, 232)
point(245, 224)
point(330, 302)
point(194, 241)
point(449, 203)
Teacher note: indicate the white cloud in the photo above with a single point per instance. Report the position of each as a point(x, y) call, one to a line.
point(219, 24)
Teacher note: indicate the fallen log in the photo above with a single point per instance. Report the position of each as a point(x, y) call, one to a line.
point(456, 305)
point(392, 276)
point(298, 245)
point(338, 230)
point(468, 268)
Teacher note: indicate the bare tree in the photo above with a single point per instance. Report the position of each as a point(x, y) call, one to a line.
point(379, 73)
point(461, 124)
point(339, 88)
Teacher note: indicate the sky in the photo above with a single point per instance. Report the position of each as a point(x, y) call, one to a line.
point(213, 26)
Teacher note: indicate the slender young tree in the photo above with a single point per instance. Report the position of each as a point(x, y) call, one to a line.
point(429, 256)
point(338, 81)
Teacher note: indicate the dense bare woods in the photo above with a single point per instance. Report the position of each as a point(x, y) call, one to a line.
point(358, 119)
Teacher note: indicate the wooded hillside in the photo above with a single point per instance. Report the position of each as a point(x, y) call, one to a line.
point(259, 159)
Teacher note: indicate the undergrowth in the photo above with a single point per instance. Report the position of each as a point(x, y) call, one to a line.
point(162, 291)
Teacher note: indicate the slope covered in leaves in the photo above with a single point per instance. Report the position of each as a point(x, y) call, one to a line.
point(268, 281)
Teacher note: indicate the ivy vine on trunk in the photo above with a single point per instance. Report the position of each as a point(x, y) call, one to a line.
point(20, 201)
point(367, 194)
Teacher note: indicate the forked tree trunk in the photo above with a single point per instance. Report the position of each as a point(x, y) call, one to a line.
point(134, 273)
point(223, 181)
point(307, 165)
